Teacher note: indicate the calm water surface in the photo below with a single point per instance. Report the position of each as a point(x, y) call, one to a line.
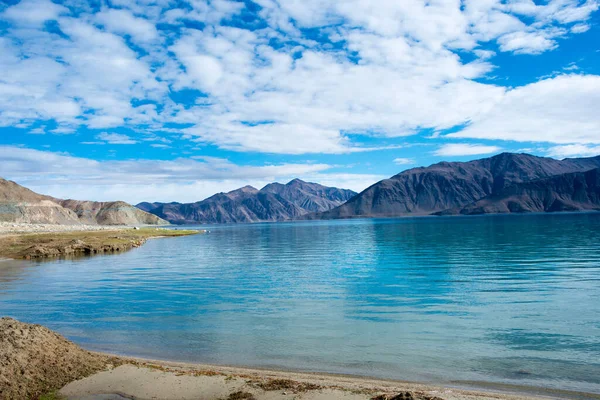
point(510, 299)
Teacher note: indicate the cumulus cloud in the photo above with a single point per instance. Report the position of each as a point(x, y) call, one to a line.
point(124, 22)
point(266, 86)
point(529, 42)
point(557, 110)
point(33, 12)
point(465, 149)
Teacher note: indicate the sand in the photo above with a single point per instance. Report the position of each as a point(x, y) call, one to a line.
point(151, 380)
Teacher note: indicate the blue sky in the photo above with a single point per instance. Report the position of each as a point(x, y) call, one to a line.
point(165, 100)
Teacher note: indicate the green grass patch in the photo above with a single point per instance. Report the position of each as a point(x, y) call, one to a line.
point(54, 395)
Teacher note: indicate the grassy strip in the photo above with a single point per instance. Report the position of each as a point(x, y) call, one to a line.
point(73, 244)
point(54, 395)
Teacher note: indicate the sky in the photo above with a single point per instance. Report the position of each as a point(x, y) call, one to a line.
point(175, 100)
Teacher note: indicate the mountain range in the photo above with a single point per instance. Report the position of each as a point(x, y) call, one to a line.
point(274, 202)
point(500, 184)
point(505, 183)
point(21, 205)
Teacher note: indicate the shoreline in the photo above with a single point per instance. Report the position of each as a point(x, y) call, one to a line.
point(76, 243)
point(16, 228)
point(41, 364)
point(266, 383)
point(477, 389)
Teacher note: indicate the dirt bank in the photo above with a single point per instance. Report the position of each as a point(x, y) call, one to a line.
point(80, 243)
point(34, 360)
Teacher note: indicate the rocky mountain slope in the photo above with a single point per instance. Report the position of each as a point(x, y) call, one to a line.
point(275, 202)
point(447, 186)
point(110, 213)
point(145, 206)
point(21, 205)
point(310, 196)
point(577, 191)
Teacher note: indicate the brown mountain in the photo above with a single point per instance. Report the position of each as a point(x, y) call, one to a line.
point(110, 213)
point(311, 197)
point(446, 186)
point(275, 202)
point(21, 205)
point(578, 191)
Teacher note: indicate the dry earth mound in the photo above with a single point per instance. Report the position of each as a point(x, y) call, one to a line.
point(34, 360)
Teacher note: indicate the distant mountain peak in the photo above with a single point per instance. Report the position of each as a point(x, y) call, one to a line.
point(295, 181)
point(243, 190)
point(274, 202)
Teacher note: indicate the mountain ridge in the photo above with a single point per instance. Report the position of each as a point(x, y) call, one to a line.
point(274, 202)
point(450, 185)
point(576, 191)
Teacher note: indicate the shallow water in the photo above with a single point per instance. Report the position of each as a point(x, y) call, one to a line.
point(508, 299)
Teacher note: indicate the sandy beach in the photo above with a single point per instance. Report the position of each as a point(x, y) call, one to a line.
point(37, 363)
point(143, 379)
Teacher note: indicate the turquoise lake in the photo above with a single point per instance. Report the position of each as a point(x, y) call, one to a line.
point(506, 299)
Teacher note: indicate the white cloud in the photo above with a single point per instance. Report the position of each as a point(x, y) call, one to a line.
point(115, 138)
point(393, 68)
point(571, 67)
point(561, 11)
point(210, 12)
point(124, 22)
point(299, 139)
point(37, 131)
point(89, 78)
point(563, 109)
point(64, 130)
point(464, 149)
point(312, 100)
point(580, 28)
point(484, 54)
point(33, 12)
point(529, 42)
point(404, 161)
point(184, 180)
point(573, 150)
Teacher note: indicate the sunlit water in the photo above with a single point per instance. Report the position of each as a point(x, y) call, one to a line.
point(510, 299)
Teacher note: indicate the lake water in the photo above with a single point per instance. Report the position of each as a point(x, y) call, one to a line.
point(508, 299)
